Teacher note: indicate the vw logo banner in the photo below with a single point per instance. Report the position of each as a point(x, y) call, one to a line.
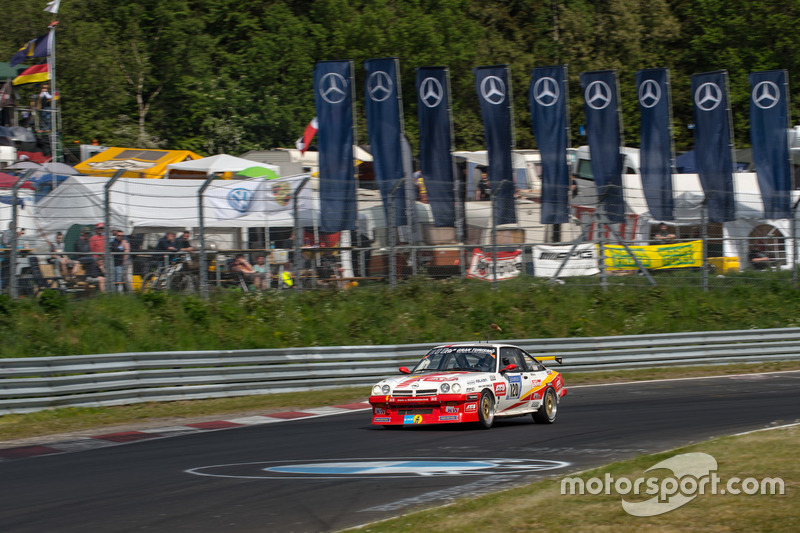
point(492, 85)
point(548, 100)
point(603, 133)
point(237, 198)
point(435, 142)
point(382, 105)
point(333, 94)
point(712, 141)
point(652, 86)
point(769, 120)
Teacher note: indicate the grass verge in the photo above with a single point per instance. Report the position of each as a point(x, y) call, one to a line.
point(72, 419)
point(541, 506)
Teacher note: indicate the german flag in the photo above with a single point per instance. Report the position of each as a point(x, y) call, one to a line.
point(34, 74)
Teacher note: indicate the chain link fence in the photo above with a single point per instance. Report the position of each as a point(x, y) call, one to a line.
point(91, 235)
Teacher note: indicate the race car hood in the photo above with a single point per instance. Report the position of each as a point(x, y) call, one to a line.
point(422, 380)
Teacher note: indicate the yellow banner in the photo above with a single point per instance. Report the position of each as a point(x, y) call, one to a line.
point(655, 257)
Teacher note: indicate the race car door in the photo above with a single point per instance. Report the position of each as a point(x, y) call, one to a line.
point(518, 382)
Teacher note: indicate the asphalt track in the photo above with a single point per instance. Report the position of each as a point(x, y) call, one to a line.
point(309, 475)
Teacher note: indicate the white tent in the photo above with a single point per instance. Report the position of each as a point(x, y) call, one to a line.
point(154, 206)
point(220, 163)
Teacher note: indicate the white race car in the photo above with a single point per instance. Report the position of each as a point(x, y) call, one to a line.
point(469, 383)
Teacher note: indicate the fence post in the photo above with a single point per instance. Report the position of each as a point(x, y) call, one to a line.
point(298, 239)
point(108, 261)
point(13, 289)
point(704, 246)
point(794, 244)
point(201, 229)
point(392, 229)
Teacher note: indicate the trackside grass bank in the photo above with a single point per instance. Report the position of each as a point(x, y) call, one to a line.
point(417, 311)
point(541, 506)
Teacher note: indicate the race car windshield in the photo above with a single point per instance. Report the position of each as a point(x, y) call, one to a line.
point(458, 358)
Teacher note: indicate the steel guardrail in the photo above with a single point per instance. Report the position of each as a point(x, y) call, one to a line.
point(38, 383)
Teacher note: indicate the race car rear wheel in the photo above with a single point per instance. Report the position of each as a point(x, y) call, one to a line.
point(486, 410)
point(548, 410)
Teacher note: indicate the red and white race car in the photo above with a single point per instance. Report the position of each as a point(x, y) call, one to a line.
point(469, 383)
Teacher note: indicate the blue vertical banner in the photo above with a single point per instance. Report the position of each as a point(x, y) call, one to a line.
point(385, 126)
point(436, 142)
point(712, 141)
point(494, 94)
point(769, 121)
point(548, 101)
point(653, 91)
point(333, 94)
point(603, 127)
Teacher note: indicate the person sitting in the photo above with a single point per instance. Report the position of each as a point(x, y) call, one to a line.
point(93, 269)
point(758, 259)
point(261, 267)
point(246, 270)
point(65, 265)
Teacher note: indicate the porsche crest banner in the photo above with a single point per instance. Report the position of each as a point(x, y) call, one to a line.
point(435, 142)
point(548, 101)
point(279, 195)
point(581, 262)
point(384, 122)
point(333, 93)
point(712, 140)
point(494, 95)
point(769, 121)
point(653, 89)
point(482, 266)
point(655, 257)
point(603, 133)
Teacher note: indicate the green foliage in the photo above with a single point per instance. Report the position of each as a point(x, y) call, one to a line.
point(52, 301)
point(416, 311)
point(220, 76)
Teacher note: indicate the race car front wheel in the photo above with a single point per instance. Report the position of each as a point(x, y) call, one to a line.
point(486, 410)
point(548, 410)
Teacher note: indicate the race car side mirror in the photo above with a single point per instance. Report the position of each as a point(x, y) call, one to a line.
point(404, 370)
point(512, 366)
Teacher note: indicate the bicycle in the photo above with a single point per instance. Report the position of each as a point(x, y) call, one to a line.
point(171, 277)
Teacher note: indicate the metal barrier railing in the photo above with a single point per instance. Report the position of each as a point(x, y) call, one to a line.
point(38, 383)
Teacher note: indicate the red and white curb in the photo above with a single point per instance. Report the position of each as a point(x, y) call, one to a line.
point(125, 437)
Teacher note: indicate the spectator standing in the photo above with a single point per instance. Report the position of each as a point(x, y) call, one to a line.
point(484, 188)
point(184, 243)
point(120, 247)
point(261, 267)
point(97, 242)
point(167, 244)
point(664, 235)
point(419, 183)
point(43, 104)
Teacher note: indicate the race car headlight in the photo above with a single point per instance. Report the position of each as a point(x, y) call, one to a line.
point(376, 390)
point(445, 388)
point(456, 388)
point(386, 389)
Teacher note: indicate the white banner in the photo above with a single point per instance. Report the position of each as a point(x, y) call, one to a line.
point(582, 262)
point(278, 195)
point(482, 265)
point(238, 198)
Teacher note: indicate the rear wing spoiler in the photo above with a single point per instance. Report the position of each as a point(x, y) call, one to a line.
point(555, 358)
